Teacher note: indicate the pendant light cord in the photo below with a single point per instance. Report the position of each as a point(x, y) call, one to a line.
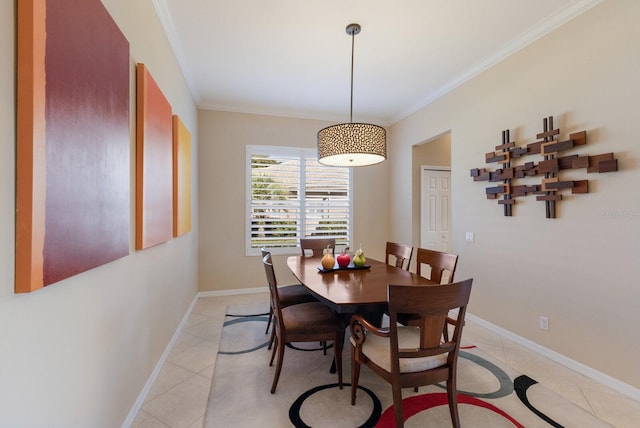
point(353, 38)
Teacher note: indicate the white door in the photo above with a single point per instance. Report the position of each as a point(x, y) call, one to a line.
point(435, 203)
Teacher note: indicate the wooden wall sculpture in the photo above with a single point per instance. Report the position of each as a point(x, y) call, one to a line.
point(549, 168)
point(73, 141)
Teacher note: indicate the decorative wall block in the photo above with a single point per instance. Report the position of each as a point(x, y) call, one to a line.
point(548, 168)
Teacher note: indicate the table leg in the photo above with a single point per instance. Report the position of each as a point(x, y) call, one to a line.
point(374, 316)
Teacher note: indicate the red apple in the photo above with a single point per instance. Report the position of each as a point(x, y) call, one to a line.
point(344, 259)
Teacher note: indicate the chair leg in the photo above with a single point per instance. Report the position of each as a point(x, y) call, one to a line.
point(269, 320)
point(280, 347)
point(355, 374)
point(452, 397)
point(337, 348)
point(273, 335)
point(276, 344)
point(397, 404)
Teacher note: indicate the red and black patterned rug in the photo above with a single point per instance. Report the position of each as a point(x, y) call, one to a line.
point(491, 394)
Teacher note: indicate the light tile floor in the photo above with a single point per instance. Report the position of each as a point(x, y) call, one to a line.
point(178, 396)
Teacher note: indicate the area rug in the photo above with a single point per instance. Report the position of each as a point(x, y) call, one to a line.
point(491, 394)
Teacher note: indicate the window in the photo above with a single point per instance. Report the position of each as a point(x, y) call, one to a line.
point(291, 196)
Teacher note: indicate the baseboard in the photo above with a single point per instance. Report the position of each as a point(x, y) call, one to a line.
point(232, 292)
point(154, 374)
point(602, 378)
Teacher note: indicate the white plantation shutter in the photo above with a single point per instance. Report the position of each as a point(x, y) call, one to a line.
point(327, 203)
point(292, 196)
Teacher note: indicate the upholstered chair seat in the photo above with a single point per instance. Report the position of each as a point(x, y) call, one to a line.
point(377, 349)
point(309, 318)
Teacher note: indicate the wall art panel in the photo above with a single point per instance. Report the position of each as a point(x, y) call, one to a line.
point(72, 154)
point(181, 178)
point(154, 163)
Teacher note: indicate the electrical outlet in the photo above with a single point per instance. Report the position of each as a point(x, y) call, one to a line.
point(544, 323)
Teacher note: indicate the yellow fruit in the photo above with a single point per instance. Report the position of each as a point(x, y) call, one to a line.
point(327, 260)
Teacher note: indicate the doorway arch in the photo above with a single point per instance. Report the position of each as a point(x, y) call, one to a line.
point(434, 152)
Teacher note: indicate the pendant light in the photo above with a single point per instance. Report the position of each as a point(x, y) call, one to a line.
point(352, 144)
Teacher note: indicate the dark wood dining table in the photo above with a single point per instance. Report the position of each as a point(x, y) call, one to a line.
point(352, 291)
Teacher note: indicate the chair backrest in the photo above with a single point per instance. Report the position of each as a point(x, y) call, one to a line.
point(402, 254)
point(429, 307)
point(443, 265)
point(317, 246)
point(273, 284)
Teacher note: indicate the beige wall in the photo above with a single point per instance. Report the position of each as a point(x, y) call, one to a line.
point(435, 152)
point(222, 174)
point(581, 269)
point(78, 353)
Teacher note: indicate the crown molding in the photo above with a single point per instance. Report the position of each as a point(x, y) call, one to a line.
point(515, 45)
point(172, 35)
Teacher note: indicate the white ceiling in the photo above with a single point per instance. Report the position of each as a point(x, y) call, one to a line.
point(293, 57)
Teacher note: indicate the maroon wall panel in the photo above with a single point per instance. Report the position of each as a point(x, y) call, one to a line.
point(87, 139)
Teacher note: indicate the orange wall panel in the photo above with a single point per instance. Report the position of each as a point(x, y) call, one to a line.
point(154, 163)
point(181, 178)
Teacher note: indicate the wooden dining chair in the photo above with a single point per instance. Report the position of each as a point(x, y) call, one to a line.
point(304, 322)
point(401, 253)
point(289, 295)
point(443, 265)
point(317, 246)
point(411, 356)
point(442, 269)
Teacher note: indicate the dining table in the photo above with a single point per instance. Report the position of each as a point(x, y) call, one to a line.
point(352, 289)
